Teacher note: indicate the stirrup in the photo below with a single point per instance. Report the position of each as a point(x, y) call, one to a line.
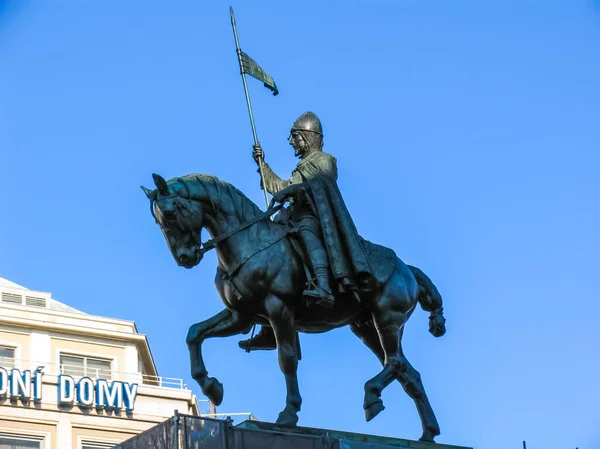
point(321, 296)
point(261, 341)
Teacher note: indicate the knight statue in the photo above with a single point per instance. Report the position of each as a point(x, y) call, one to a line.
point(307, 270)
point(319, 220)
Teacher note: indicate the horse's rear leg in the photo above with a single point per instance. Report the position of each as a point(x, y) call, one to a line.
point(368, 334)
point(411, 382)
point(388, 331)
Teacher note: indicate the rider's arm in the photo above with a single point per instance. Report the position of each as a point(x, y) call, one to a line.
point(273, 182)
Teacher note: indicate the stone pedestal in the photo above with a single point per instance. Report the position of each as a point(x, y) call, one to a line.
point(342, 440)
point(194, 432)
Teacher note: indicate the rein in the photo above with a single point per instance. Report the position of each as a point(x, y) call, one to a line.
point(212, 243)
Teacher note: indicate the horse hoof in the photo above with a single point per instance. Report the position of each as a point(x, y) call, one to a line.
point(428, 436)
point(213, 389)
point(287, 419)
point(374, 409)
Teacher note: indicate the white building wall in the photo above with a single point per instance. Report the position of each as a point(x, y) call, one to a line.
point(39, 349)
point(65, 431)
point(132, 365)
point(40, 335)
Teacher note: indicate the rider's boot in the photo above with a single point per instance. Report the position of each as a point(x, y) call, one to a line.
point(319, 288)
point(264, 340)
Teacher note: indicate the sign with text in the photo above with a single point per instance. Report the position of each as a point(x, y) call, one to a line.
point(85, 392)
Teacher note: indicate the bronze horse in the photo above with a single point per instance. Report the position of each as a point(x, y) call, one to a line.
point(261, 278)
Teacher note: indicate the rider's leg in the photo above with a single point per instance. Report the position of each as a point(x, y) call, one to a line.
point(309, 234)
point(320, 265)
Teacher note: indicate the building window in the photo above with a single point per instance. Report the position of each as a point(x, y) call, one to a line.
point(7, 359)
point(96, 446)
point(11, 442)
point(78, 366)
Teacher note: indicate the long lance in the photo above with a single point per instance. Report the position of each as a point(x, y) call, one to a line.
point(243, 73)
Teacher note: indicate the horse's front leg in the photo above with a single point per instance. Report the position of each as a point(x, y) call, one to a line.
point(281, 318)
point(224, 324)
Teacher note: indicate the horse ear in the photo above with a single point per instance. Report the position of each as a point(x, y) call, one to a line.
point(161, 184)
point(149, 193)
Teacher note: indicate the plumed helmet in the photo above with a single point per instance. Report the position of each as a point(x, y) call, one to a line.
point(308, 122)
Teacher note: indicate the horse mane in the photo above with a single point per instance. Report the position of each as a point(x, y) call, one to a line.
point(243, 207)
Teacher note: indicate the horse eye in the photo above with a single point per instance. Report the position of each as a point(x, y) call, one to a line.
point(169, 214)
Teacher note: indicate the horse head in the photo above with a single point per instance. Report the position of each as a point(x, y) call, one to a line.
point(179, 217)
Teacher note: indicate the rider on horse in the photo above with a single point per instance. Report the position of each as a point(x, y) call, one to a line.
point(320, 221)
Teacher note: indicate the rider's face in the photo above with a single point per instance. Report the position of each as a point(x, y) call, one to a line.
point(299, 144)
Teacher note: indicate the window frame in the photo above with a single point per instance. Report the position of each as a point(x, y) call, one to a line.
point(86, 370)
point(14, 358)
point(17, 347)
point(40, 438)
point(96, 443)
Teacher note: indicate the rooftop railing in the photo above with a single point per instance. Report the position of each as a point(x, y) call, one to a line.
point(53, 369)
point(247, 415)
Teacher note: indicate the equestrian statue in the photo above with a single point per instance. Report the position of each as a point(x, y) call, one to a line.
point(305, 270)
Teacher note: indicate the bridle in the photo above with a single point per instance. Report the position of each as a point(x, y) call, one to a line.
point(211, 243)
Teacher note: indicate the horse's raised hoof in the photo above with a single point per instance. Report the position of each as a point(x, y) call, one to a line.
point(213, 389)
point(374, 409)
point(287, 419)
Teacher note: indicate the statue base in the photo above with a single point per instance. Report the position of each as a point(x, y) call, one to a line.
point(341, 439)
point(195, 432)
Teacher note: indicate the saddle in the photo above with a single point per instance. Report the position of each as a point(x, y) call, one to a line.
point(382, 260)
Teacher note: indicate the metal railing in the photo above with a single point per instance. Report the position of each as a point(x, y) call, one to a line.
point(7, 362)
point(145, 379)
point(163, 382)
point(250, 416)
point(94, 373)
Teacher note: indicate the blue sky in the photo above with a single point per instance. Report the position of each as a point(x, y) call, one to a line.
point(468, 139)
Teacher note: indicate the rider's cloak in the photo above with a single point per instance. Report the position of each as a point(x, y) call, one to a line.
point(343, 244)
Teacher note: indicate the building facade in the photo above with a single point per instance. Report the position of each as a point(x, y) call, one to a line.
point(73, 380)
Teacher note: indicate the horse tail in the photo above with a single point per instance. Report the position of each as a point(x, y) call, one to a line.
point(430, 301)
